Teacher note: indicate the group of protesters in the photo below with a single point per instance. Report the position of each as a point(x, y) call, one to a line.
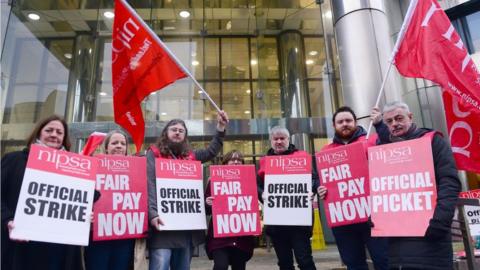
point(174, 249)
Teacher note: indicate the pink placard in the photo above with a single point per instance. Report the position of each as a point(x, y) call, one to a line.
point(402, 187)
point(235, 207)
point(344, 172)
point(121, 211)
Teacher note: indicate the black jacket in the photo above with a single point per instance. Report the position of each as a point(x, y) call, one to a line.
point(28, 255)
point(434, 250)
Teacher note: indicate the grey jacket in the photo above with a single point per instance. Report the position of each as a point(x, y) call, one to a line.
point(176, 239)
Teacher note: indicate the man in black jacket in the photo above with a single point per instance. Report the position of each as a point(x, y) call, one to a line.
point(434, 250)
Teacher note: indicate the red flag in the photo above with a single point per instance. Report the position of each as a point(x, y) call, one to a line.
point(430, 48)
point(464, 129)
point(94, 140)
point(140, 66)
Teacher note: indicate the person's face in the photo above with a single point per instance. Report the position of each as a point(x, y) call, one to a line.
point(117, 145)
point(176, 133)
point(235, 160)
point(52, 134)
point(398, 121)
point(279, 142)
point(344, 125)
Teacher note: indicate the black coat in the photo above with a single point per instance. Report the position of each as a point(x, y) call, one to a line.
point(434, 250)
point(28, 255)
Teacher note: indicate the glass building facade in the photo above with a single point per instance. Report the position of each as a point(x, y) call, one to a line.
point(287, 62)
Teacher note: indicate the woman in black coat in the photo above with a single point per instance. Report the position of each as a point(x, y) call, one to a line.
point(20, 254)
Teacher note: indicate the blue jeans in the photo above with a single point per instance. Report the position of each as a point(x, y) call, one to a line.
point(170, 258)
point(351, 242)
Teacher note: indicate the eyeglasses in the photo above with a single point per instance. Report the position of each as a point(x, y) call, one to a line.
point(179, 130)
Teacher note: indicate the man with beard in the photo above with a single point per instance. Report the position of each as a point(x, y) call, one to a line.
point(352, 239)
point(434, 250)
point(173, 249)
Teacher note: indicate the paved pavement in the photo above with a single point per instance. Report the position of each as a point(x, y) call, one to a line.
point(263, 260)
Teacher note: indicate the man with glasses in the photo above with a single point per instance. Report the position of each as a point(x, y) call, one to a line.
point(173, 249)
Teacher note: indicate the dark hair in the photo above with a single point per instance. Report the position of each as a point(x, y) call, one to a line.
point(163, 141)
point(40, 125)
point(106, 141)
point(344, 109)
point(231, 155)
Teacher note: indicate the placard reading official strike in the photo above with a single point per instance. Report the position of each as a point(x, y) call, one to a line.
point(288, 181)
point(472, 213)
point(235, 207)
point(402, 187)
point(56, 197)
point(121, 211)
point(344, 172)
point(180, 199)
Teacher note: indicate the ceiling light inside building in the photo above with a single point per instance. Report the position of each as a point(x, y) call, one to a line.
point(309, 62)
point(229, 25)
point(248, 91)
point(102, 94)
point(184, 14)
point(108, 14)
point(313, 53)
point(195, 63)
point(169, 28)
point(253, 62)
point(68, 55)
point(163, 113)
point(247, 112)
point(34, 16)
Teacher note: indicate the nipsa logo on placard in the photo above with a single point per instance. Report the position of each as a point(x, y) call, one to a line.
point(178, 168)
point(285, 163)
point(115, 165)
point(394, 155)
point(226, 173)
point(333, 158)
point(63, 160)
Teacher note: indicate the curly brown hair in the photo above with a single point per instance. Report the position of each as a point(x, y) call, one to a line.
point(40, 125)
point(163, 141)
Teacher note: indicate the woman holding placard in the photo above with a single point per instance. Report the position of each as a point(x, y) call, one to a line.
point(234, 251)
point(19, 253)
point(111, 254)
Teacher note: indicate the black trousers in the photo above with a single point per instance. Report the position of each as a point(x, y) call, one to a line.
point(223, 257)
point(293, 242)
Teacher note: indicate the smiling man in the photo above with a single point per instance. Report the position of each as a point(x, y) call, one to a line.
point(434, 250)
point(352, 239)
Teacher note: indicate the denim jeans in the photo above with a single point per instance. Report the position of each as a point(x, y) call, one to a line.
point(170, 258)
point(351, 242)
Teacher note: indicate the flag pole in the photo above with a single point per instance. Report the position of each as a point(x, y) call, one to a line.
point(160, 42)
point(401, 34)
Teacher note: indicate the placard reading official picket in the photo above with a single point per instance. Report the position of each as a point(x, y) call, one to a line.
point(235, 207)
point(402, 187)
point(121, 211)
point(288, 181)
point(56, 197)
point(344, 172)
point(180, 199)
point(472, 213)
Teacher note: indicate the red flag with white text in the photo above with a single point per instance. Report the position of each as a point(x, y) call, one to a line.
point(430, 48)
point(94, 140)
point(464, 130)
point(140, 66)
